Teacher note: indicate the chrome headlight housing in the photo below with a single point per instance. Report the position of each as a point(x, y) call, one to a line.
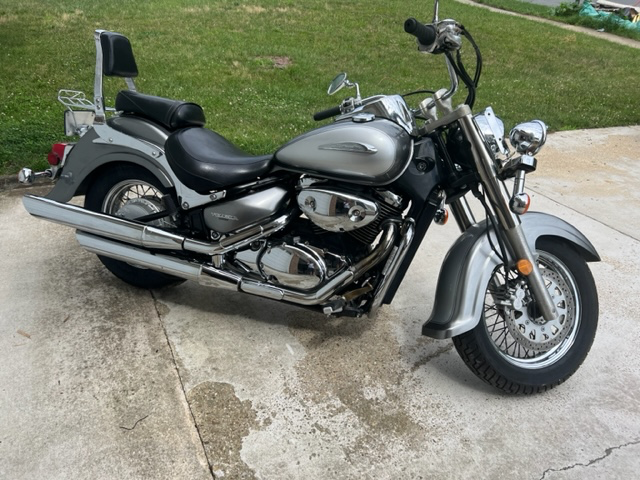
point(492, 129)
point(529, 137)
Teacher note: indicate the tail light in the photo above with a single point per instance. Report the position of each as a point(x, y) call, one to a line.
point(56, 154)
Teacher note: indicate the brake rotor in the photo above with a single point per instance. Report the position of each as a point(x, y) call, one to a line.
point(531, 330)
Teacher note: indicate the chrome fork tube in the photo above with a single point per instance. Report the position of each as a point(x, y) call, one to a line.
point(462, 214)
point(507, 219)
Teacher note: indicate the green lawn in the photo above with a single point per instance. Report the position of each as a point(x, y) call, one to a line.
point(223, 55)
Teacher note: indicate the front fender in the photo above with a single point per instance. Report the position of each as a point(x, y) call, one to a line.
point(469, 264)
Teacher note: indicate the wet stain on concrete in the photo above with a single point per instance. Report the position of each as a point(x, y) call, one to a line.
point(360, 363)
point(423, 361)
point(223, 421)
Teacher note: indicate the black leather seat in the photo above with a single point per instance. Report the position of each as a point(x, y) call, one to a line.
point(171, 114)
point(204, 160)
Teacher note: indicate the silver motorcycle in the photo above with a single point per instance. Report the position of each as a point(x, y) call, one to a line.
point(332, 220)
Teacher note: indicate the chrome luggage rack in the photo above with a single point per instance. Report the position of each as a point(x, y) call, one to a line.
point(80, 113)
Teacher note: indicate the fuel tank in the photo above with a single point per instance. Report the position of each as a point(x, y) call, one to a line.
point(362, 150)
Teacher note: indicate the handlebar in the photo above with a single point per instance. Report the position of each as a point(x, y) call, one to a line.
point(426, 34)
point(328, 113)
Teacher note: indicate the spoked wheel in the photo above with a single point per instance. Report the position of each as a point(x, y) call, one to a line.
point(513, 348)
point(130, 192)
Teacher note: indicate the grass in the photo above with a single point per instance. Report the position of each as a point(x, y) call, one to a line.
point(565, 13)
point(223, 55)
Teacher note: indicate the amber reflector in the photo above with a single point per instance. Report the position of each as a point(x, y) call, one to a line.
point(524, 266)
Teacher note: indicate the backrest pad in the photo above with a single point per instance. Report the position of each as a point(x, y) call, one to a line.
point(117, 56)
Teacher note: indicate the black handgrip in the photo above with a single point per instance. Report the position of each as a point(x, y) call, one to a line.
point(426, 34)
point(324, 114)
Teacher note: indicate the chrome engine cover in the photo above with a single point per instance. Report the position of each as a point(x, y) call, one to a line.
point(297, 266)
point(336, 211)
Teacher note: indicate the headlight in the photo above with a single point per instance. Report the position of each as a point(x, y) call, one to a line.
point(492, 129)
point(529, 137)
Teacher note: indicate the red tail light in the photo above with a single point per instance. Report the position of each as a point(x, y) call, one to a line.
point(56, 154)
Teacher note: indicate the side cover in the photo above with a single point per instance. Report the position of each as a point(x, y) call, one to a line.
point(468, 267)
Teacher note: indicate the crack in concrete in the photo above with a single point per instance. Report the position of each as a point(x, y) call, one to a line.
point(184, 393)
point(428, 358)
point(607, 452)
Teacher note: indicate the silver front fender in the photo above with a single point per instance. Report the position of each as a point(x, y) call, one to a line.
point(469, 264)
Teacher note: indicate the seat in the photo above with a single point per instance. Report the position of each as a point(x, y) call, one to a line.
point(117, 60)
point(204, 160)
point(171, 114)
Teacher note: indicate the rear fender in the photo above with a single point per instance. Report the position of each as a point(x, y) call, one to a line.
point(468, 267)
point(88, 157)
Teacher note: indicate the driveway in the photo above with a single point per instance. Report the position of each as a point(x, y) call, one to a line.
point(102, 380)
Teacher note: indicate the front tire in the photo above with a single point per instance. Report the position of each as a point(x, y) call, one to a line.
point(512, 347)
point(130, 192)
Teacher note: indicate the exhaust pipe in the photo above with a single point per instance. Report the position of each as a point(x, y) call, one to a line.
point(162, 263)
point(210, 276)
point(141, 235)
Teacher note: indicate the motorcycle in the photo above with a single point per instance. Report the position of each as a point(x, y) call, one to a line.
point(332, 220)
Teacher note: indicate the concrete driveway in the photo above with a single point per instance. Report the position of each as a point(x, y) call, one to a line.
point(101, 380)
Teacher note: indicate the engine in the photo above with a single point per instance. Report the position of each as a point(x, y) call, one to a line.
point(334, 209)
point(318, 247)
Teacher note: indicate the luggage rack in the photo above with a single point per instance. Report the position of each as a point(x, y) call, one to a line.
point(80, 113)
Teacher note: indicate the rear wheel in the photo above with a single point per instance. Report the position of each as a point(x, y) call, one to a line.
point(513, 348)
point(130, 192)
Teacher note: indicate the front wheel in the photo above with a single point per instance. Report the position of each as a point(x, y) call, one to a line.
point(513, 348)
point(130, 192)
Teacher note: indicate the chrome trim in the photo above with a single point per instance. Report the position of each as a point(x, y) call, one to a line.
point(296, 266)
point(352, 147)
point(379, 253)
point(26, 176)
point(393, 264)
point(142, 235)
point(492, 129)
point(391, 107)
point(209, 275)
point(336, 211)
point(529, 137)
point(462, 214)
point(509, 221)
point(98, 97)
point(457, 114)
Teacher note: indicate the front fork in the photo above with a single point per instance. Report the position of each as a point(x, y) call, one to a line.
point(508, 220)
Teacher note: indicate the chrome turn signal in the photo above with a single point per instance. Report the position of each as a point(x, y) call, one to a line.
point(442, 216)
point(520, 203)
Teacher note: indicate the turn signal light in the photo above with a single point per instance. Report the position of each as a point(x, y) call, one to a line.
point(520, 203)
point(442, 216)
point(524, 266)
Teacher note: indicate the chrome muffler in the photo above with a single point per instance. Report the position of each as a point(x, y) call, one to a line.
point(146, 236)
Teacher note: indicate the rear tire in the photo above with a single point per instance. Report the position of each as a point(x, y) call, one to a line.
point(128, 191)
point(513, 349)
